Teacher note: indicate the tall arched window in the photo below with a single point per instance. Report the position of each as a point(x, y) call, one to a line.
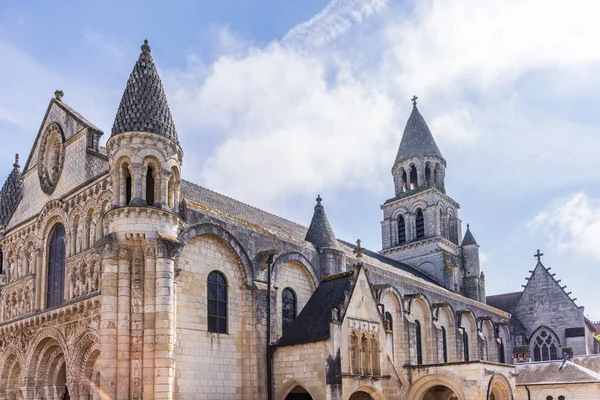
point(288, 308)
point(354, 354)
point(390, 321)
point(420, 225)
point(56, 267)
point(545, 346)
point(418, 343)
point(428, 175)
point(444, 345)
point(401, 230)
point(150, 186)
point(404, 181)
point(127, 180)
point(413, 177)
point(466, 345)
point(217, 302)
point(501, 351)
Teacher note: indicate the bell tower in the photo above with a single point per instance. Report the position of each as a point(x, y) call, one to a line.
point(420, 224)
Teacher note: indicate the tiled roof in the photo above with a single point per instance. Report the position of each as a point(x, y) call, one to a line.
point(541, 373)
point(312, 324)
point(320, 233)
point(505, 302)
point(144, 105)
point(11, 193)
point(417, 140)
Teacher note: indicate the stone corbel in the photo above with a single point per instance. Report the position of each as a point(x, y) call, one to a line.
point(167, 247)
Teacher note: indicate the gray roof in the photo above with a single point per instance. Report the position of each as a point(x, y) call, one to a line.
point(144, 105)
point(11, 193)
point(542, 373)
point(469, 238)
point(312, 324)
point(320, 233)
point(417, 140)
point(505, 302)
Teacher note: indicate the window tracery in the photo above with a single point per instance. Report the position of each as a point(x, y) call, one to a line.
point(545, 346)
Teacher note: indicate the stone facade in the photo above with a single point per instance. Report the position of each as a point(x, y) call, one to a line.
point(162, 284)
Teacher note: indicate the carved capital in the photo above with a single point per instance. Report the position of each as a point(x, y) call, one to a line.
point(167, 247)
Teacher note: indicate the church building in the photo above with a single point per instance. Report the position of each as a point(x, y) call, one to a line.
point(121, 280)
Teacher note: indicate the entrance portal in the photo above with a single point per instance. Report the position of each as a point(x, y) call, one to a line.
point(298, 393)
point(361, 396)
point(440, 393)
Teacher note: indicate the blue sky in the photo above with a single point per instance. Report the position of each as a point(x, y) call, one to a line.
point(278, 101)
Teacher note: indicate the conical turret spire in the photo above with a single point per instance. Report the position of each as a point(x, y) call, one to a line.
point(469, 238)
point(11, 193)
point(144, 105)
point(417, 140)
point(320, 233)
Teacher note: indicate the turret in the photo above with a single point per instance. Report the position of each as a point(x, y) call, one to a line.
point(419, 163)
point(144, 151)
point(11, 193)
point(321, 235)
point(474, 279)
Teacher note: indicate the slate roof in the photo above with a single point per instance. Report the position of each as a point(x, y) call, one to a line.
point(417, 140)
point(469, 238)
point(320, 233)
point(11, 193)
point(543, 373)
point(505, 302)
point(312, 324)
point(144, 107)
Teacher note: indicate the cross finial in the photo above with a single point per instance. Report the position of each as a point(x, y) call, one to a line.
point(358, 250)
point(538, 255)
point(16, 164)
point(468, 226)
point(58, 95)
point(414, 100)
point(319, 199)
point(146, 47)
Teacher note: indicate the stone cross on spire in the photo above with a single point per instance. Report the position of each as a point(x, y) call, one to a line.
point(58, 95)
point(358, 250)
point(16, 164)
point(539, 256)
point(414, 100)
point(319, 200)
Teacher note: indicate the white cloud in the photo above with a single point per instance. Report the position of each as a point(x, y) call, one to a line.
point(572, 224)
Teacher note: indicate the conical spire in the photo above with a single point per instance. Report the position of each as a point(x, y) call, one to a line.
point(417, 140)
point(469, 238)
point(320, 233)
point(11, 193)
point(144, 105)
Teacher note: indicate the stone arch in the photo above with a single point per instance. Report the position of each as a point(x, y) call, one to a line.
point(444, 318)
point(400, 211)
point(223, 234)
point(488, 331)
point(499, 388)
point(441, 378)
point(50, 214)
point(41, 339)
point(151, 161)
point(300, 258)
point(369, 390)
point(8, 378)
point(468, 322)
point(419, 309)
point(151, 152)
point(419, 204)
point(429, 269)
point(47, 363)
point(288, 387)
point(85, 346)
point(555, 341)
point(503, 345)
point(392, 301)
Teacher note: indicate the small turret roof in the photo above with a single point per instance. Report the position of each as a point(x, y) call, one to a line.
point(144, 107)
point(469, 238)
point(417, 140)
point(320, 233)
point(11, 193)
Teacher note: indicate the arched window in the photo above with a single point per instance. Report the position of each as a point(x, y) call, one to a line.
point(404, 181)
point(549, 397)
point(413, 177)
point(288, 308)
point(420, 225)
point(56, 267)
point(418, 343)
point(465, 345)
point(354, 354)
point(428, 175)
point(444, 345)
point(401, 230)
point(545, 346)
point(217, 302)
point(561, 397)
point(390, 321)
point(127, 184)
point(501, 350)
point(150, 186)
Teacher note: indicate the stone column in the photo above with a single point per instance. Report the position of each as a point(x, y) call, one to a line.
point(123, 322)
point(164, 188)
point(108, 325)
point(421, 176)
point(136, 185)
point(38, 280)
point(408, 178)
point(149, 318)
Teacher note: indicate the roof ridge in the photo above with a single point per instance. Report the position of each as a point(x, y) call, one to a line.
point(504, 294)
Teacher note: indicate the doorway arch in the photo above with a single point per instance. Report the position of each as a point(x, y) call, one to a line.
point(360, 395)
point(440, 392)
point(298, 393)
point(431, 387)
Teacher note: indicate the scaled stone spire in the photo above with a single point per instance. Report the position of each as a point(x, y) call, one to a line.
point(11, 193)
point(469, 238)
point(144, 105)
point(320, 233)
point(417, 140)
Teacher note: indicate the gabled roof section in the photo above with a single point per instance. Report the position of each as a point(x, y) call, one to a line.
point(417, 140)
point(312, 324)
point(544, 373)
point(144, 107)
point(469, 239)
point(505, 301)
point(11, 193)
point(320, 233)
